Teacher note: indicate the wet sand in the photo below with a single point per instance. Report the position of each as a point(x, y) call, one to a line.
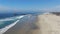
point(26, 25)
point(41, 24)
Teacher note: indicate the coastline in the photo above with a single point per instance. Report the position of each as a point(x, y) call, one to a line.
point(3, 30)
point(26, 25)
point(40, 24)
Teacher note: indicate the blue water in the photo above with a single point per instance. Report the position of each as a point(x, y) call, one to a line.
point(12, 14)
point(5, 23)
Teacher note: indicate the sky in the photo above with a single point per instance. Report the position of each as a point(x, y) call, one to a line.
point(29, 4)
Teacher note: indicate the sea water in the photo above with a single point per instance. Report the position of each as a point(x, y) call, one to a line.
point(7, 23)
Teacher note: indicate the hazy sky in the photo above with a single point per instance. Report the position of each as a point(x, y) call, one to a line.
point(29, 4)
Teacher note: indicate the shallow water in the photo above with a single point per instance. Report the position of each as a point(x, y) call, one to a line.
point(24, 26)
point(8, 23)
point(5, 23)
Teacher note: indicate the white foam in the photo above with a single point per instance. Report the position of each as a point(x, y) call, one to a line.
point(7, 19)
point(3, 30)
point(47, 13)
point(11, 18)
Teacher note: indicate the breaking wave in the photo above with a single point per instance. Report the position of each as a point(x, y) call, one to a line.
point(11, 25)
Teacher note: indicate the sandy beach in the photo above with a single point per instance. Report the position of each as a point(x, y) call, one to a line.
point(49, 24)
point(41, 24)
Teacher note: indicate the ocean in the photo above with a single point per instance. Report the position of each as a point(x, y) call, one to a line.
point(7, 23)
point(8, 20)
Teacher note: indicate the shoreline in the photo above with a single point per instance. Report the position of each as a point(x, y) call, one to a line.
point(24, 26)
point(40, 24)
point(3, 30)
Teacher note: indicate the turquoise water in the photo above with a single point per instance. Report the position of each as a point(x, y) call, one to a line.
point(8, 22)
point(5, 23)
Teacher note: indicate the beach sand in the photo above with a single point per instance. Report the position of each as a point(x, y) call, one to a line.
point(49, 24)
point(27, 25)
point(41, 24)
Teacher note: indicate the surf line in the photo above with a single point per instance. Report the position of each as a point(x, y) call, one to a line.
point(3, 30)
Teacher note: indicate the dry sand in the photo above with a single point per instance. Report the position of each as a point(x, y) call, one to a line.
point(49, 24)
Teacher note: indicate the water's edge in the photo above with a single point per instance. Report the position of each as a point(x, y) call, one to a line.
point(3, 30)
